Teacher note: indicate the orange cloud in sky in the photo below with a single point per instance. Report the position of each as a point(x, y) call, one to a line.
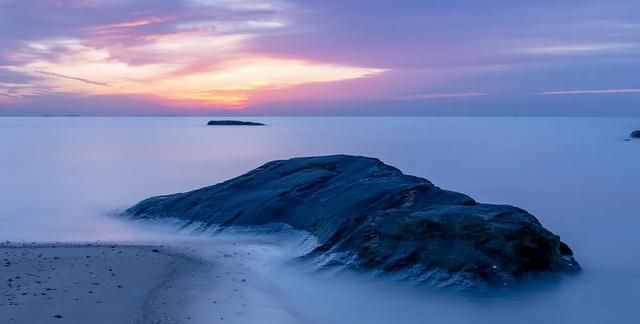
point(229, 83)
point(200, 63)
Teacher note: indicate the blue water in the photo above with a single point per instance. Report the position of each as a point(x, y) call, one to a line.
point(61, 176)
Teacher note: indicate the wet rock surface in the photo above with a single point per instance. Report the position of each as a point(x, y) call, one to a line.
point(369, 216)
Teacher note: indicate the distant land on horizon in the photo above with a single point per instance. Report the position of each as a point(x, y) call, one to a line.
point(603, 105)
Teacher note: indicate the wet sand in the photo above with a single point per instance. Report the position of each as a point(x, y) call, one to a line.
point(97, 283)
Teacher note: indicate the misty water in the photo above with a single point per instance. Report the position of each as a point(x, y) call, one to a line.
point(62, 177)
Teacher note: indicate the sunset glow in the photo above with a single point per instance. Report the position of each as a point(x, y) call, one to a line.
point(214, 72)
point(298, 57)
point(195, 63)
point(229, 83)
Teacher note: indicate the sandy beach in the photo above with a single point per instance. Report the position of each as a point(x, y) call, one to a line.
point(95, 283)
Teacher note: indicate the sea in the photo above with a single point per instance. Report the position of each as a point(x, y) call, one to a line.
point(63, 179)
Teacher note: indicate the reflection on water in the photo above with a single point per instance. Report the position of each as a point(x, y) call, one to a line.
point(60, 176)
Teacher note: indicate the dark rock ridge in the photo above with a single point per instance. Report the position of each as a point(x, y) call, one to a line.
point(635, 134)
point(233, 123)
point(370, 216)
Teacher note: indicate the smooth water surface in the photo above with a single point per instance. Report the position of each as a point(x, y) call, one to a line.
point(60, 177)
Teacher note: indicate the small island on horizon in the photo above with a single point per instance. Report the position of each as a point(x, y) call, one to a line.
point(233, 123)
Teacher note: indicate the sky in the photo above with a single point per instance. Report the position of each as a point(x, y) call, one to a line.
point(329, 57)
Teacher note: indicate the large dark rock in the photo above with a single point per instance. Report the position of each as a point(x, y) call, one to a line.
point(635, 134)
point(369, 216)
point(233, 123)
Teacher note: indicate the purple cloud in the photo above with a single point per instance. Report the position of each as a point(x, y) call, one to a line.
point(427, 49)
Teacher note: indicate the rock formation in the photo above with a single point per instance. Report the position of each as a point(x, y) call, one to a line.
point(369, 216)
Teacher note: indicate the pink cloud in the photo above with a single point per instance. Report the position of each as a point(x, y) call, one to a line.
point(600, 91)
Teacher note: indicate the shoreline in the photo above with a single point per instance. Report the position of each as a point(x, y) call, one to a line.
point(96, 282)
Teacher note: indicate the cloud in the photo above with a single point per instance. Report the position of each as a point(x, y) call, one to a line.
point(243, 5)
point(72, 78)
point(580, 48)
point(230, 82)
point(246, 53)
point(600, 91)
point(7, 75)
point(187, 52)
